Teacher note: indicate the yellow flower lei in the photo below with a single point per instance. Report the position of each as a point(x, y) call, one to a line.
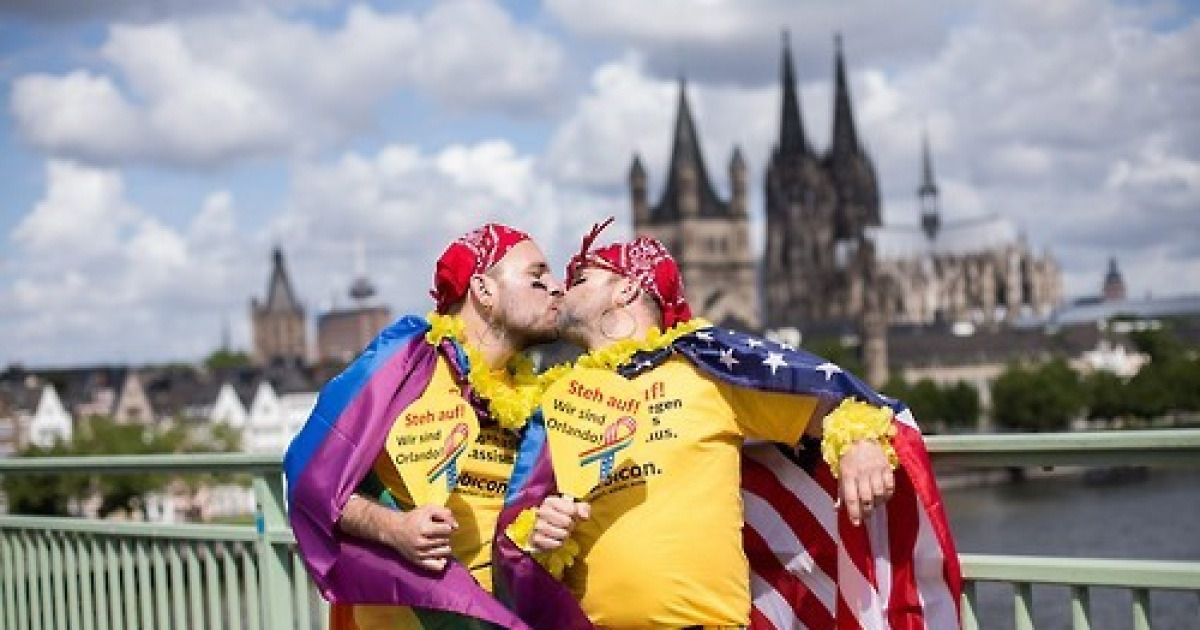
point(852, 422)
point(510, 405)
point(613, 356)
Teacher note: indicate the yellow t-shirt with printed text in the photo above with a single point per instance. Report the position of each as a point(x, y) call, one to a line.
point(484, 470)
point(663, 547)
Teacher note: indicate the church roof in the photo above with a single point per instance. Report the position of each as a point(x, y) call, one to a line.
point(280, 296)
point(685, 151)
point(969, 236)
point(1176, 306)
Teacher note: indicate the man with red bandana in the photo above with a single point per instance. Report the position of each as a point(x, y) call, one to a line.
point(381, 559)
point(664, 548)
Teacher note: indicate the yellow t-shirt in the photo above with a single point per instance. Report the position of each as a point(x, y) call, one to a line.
point(663, 547)
point(483, 472)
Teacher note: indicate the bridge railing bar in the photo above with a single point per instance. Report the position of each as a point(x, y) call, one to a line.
point(99, 574)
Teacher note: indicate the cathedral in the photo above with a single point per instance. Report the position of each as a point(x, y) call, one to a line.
point(830, 264)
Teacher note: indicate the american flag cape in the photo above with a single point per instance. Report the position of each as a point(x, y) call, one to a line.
point(333, 454)
point(810, 567)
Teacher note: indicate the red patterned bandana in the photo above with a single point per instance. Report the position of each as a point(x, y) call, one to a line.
point(644, 260)
point(474, 253)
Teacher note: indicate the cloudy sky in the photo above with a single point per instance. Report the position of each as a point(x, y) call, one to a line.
point(153, 153)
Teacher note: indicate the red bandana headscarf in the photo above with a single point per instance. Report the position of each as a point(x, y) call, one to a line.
point(644, 260)
point(474, 253)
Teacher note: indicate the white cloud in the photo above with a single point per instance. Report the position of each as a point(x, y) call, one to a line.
point(1074, 119)
point(405, 206)
point(97, 278)
point(205, 91)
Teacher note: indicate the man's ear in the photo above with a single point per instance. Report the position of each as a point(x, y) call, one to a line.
point(484, 290)
point(627, 291)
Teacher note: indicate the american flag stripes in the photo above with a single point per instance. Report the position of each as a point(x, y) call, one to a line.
point(810, 567)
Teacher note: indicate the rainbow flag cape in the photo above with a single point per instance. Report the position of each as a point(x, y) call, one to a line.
point(332, 456)
point(810, 567)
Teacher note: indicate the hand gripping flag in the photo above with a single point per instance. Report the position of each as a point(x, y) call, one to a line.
point(810, 567)
point(333, 454)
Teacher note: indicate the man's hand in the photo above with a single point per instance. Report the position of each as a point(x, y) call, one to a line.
point(556, 519)
point(866, 479)
point(421, 535)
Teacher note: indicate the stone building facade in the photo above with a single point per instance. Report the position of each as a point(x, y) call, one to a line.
point(709, 236)
point(975, 273)
point(829, 264)
point(278, 323)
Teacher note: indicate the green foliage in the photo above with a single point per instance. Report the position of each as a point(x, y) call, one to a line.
point(961, 406)
point(101, 435)
point(226, 359)
point(1108, 396)
point(951, 406)
point(1160, 343)
point(43, 495)
point(1043, 398)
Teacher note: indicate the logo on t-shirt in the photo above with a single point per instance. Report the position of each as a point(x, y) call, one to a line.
point(617, 437)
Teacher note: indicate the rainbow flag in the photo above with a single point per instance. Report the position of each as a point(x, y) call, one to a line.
point(330, 458)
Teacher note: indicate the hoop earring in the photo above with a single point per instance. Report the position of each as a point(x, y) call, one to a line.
point(608, 331)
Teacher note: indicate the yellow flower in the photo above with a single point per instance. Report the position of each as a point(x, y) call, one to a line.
point(854, 421)
point(520, 531)
point(511, 394)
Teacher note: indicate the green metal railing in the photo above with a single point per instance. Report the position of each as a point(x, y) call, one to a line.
point(99, 574)
point(86, 573)
point(1158, 448)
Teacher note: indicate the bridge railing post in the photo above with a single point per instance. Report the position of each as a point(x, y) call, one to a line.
point(274, 553)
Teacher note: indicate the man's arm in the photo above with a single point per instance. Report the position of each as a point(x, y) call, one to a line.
point(421, 535)
point(865, 477)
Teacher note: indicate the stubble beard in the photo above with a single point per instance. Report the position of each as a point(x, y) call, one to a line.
point(572, 328)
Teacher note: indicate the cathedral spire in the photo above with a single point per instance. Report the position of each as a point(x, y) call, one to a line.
point(927, 192)
point(845, 138)
point(686, 150)
point(791, 124)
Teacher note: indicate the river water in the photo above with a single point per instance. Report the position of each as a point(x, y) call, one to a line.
point(1155, 517)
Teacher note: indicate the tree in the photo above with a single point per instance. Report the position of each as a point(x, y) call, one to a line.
point(226, 360)
point(961, 406)
point(44, 495)
point(1044, 398)
point(946, 406)
point(52, 494)
point(1107, 396)
point(101, 435)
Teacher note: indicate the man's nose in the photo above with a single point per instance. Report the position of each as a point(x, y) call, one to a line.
point(555, 287)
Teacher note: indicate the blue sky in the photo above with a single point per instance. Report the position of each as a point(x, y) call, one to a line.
point(152, 157)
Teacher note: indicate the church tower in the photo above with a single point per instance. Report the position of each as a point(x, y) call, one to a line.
point(709, 237)
point(1114, 284)
point(278, 323)
point(818, 208)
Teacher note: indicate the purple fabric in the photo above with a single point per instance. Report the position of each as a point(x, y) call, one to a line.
point(351, 570)
point(537, 597)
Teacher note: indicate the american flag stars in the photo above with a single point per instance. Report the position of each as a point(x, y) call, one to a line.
point(727, 359)
point(775, 361)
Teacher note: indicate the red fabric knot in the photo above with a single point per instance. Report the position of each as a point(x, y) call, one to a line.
point(473, 253)
point(644, 260)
